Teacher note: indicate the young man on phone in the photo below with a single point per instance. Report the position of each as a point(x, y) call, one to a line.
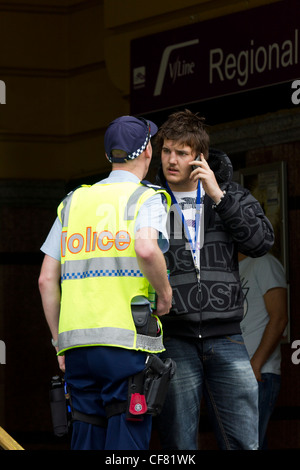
point(211, 219)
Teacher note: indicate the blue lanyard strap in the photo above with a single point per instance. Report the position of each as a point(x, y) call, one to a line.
point(193, 244)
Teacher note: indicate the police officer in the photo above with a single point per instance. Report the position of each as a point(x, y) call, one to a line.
point(103, 250)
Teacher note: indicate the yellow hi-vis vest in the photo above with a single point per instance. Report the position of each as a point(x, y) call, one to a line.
point(99, 270)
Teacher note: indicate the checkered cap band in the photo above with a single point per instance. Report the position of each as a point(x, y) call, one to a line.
point(129, 134)
point(135, 154)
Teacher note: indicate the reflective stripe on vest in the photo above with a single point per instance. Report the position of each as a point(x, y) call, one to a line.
point(81, 269)
point(109, 336)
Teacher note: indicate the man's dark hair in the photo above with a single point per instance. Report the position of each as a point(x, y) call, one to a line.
point(188, 129)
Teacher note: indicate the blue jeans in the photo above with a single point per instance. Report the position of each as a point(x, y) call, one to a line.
point(219, 370)
point(268, 391)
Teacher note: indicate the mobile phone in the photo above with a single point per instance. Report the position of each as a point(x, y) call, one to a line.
point(198, 160)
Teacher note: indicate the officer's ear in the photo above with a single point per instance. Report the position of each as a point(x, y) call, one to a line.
point(148, 150)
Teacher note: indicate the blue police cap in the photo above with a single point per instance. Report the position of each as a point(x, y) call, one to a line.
point(129, 134)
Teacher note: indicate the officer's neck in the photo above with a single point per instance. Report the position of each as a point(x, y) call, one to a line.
point(127, 167)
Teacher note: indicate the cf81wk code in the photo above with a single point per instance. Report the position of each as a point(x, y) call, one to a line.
point(172, 459)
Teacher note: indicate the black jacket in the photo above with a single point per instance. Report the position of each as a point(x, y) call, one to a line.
point(213, 305)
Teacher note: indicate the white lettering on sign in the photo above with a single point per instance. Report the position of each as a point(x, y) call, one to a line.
point(254, 60)
point(176, 69)
point(180, 68)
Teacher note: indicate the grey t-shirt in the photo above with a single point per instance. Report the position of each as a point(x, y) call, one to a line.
point(258, 275)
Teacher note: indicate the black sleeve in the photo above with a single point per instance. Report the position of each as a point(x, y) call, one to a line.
point(245, 220)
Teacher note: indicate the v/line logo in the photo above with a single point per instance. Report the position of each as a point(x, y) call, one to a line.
point(177, 69)
point(2, 92)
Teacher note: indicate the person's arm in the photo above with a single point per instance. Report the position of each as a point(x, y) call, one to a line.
point(241, 213)
point(246, 222)
point(49, 286)
point(276, 305)
point(153, 265)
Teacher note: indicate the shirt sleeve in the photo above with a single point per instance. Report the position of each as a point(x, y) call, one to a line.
point(51, 245)
point(269, 273)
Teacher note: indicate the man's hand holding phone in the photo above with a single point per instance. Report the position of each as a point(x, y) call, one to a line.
point(201, 171)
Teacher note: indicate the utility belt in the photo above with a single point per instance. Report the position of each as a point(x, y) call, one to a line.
point(146, 390)
point(146, 395)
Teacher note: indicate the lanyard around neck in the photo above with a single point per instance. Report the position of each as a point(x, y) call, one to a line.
point(193, 243)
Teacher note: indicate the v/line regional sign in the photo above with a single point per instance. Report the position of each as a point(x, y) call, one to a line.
point(239, 52)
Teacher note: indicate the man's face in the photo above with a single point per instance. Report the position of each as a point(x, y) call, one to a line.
point(175, 158)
